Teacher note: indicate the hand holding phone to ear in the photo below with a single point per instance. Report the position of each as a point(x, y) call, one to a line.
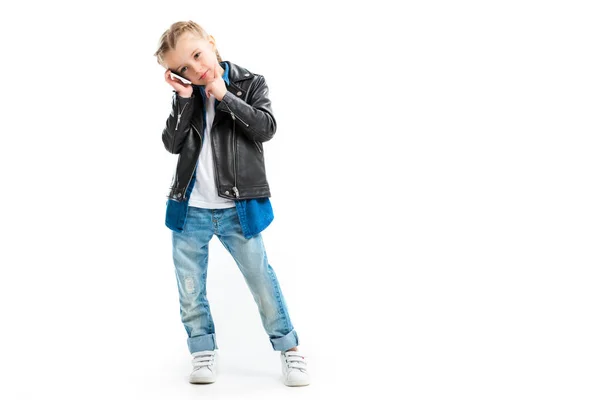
point(182, 89)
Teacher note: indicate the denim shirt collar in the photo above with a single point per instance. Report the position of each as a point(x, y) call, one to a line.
point(226, 72)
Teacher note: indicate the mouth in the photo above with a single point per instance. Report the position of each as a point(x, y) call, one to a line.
point(202, 77)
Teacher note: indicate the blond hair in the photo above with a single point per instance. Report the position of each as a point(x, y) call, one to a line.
point(169, 39)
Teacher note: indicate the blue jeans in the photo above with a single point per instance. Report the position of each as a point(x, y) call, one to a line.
point(190, 256)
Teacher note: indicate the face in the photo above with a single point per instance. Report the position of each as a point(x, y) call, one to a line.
point(194, 59)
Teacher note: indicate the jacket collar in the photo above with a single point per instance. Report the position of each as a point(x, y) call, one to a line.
point(235, 73)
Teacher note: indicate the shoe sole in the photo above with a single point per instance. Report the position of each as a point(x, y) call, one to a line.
point(202, 380)
point(297, 383)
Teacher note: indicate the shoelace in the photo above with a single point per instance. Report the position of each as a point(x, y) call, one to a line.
point(203, 360)
point(295, 361)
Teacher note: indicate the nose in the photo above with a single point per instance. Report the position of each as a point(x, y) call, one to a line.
point(197, 71)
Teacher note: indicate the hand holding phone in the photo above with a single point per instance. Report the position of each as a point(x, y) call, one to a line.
point(181, 78)
point(177, 83)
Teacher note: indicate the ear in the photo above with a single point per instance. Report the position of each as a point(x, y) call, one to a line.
point(212, 41)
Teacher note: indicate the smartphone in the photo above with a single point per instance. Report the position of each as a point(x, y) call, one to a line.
point(182, 79)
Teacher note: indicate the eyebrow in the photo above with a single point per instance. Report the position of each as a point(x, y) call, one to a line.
point(178, 68)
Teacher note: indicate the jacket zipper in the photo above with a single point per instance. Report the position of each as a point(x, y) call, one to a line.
point(179, 113)
point(235, 189)
point(235, 116)
point(190, 179)
point(215, 164)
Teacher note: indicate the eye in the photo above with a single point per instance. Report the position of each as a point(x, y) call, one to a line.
point(182, 70)
point(196, 55)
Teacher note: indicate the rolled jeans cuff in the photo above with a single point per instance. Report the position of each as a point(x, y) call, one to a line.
point(201, 343)
point(285, 342)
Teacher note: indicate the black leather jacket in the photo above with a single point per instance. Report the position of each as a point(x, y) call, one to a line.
point(243, 121)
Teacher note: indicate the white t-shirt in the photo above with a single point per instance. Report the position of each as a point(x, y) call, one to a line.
point(204, 194)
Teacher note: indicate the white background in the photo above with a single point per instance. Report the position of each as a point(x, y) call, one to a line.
point(435, 183)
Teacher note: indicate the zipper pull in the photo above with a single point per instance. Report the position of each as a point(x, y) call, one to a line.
point(239, 119)
point(233, 116)
point(235, 190)
point(179, 115)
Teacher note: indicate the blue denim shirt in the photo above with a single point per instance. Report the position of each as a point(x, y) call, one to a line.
point(254, 214)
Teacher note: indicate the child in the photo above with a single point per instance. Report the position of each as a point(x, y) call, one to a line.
point(217, 126)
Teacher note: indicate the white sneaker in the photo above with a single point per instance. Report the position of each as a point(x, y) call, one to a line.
point(294, 368)
point(204, 363)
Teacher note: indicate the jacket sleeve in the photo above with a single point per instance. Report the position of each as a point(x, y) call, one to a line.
point(255, 118)
point(178, 123)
